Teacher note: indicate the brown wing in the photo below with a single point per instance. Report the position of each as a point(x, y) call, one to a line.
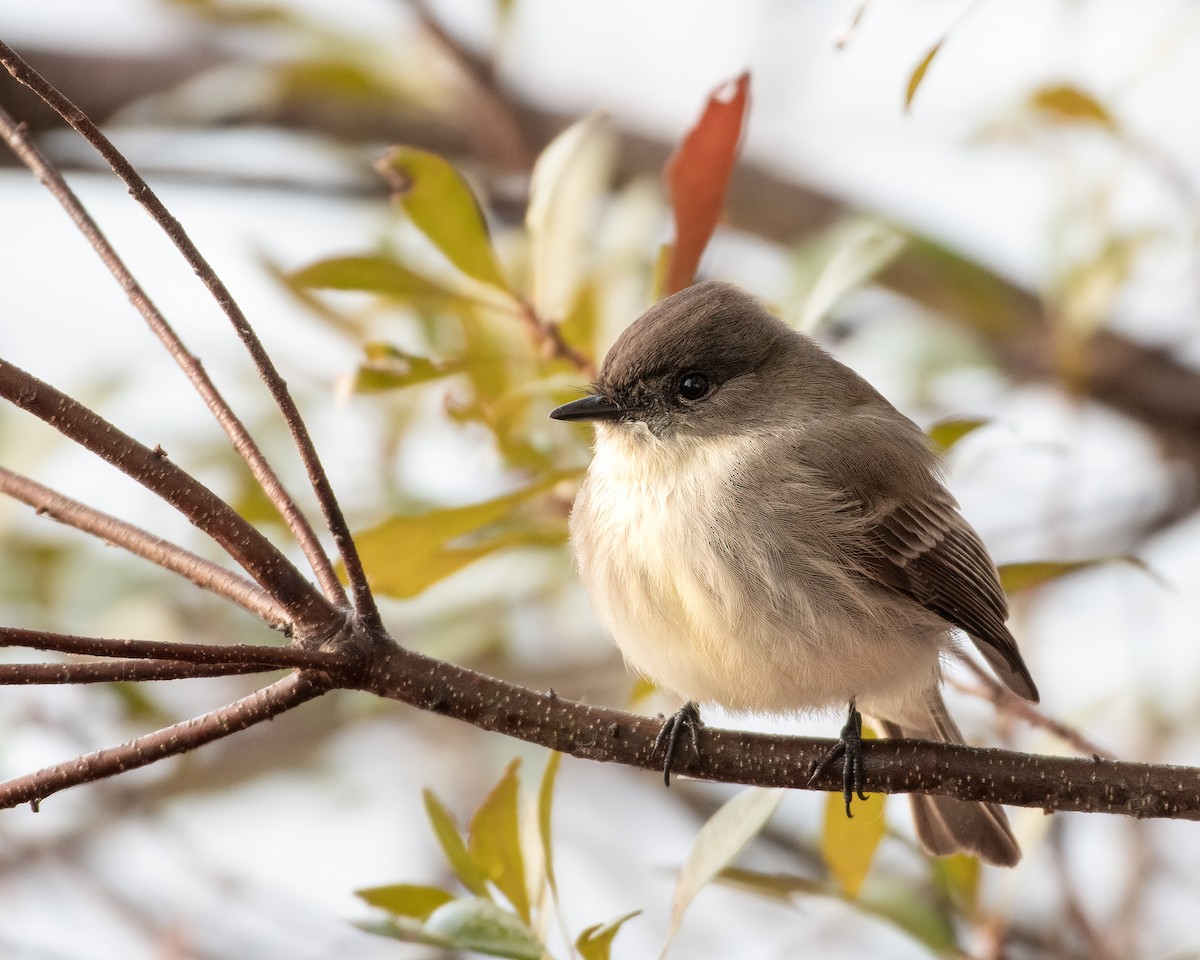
point(919, 544)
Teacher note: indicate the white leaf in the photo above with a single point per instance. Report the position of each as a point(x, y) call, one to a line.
point(721, 839)
point(569, 178)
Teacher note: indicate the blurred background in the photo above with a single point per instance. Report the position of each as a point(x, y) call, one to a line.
point(991, 210)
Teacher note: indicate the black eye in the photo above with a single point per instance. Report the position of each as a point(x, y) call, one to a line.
point(693, 386)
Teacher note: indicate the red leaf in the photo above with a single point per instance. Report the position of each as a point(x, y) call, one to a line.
point(698, 175)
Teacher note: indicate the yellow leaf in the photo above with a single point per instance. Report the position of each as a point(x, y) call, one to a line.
point(544, 806)
point(946, 433)
point(918, 74)
point(405, 555)
point(849, 844)
point(1066, 103)
point(442, 206)
point(462, 863)
point(1015, 577)
point(369, 274)
point(405, 899)
point(495, 842)
point(595, 943)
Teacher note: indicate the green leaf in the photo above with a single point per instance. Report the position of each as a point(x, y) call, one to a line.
point(595, 943)
point(567, 184)
point(1015, 577)
point(774, 886)
point(918, 74)
point(544, 807)
point(462, 863)
point(494, 840)
point(404, 555)
point(578, 327)
point(482, 926)
point(721, 839)
point(946, 433)
point(390, 368)
point(405, 899)
point(849, 844)
point(1066, 103)
point(442, 206)
point(371, 273)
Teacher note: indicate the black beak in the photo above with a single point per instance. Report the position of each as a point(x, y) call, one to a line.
point(595, 407)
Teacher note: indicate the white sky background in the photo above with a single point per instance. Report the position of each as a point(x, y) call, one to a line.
point(1097, 645)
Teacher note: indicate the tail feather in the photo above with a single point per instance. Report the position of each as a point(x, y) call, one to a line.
point(945, 825)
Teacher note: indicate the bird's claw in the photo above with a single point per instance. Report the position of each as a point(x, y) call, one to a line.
point(849, 750)
point(685, 720)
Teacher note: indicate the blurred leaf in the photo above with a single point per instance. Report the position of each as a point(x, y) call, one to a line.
point(698, 174)
point(237, 14)
point(568, 181)
point(442, 206)
point(404, 555)
point(918, 74)
point(390, 368)
point(405, 899)
point(843, 259)
point(482, 926)
point(469, 873)
point(1067, 103)
point(849, 844)
point(544, 809)
point(908, 907)
point(578, 327)
point(371, 273)
point(946, 433)
point(1089, 290)
point(642, 687)
point(958, 877)
point(775, 886)
point(721, 839)
point(1015, 577)
point(595, 943)
point(494, 840)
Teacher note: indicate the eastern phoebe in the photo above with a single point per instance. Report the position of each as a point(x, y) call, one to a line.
point(760, 529)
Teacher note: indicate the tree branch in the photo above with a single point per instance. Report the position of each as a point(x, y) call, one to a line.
point(891, 766)
point(141, 192)
point(178, 738)
point(119, 671)
point(203, 573)
point(253, 552)
point(271, 658)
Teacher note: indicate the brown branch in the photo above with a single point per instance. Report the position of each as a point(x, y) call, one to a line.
point(203, 573)
point(891, 766)
point(271, 658)
point(119, 671)
point(178, 738)
point(253, 552)
point(141, 192)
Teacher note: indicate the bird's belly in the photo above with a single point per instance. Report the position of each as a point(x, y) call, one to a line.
point(693, 619)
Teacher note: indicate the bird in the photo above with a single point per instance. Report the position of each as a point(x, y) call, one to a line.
point(760, 529)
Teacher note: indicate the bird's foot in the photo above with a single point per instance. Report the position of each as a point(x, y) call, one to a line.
point(684, 722)
point(849, 750)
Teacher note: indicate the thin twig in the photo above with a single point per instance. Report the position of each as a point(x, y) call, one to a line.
point(203, 573)
point(272, 658)
point(140, 190)
point(119, 671)
point(27, 151)
point(261, 705)
point(253, 552)
point(1008, 702)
